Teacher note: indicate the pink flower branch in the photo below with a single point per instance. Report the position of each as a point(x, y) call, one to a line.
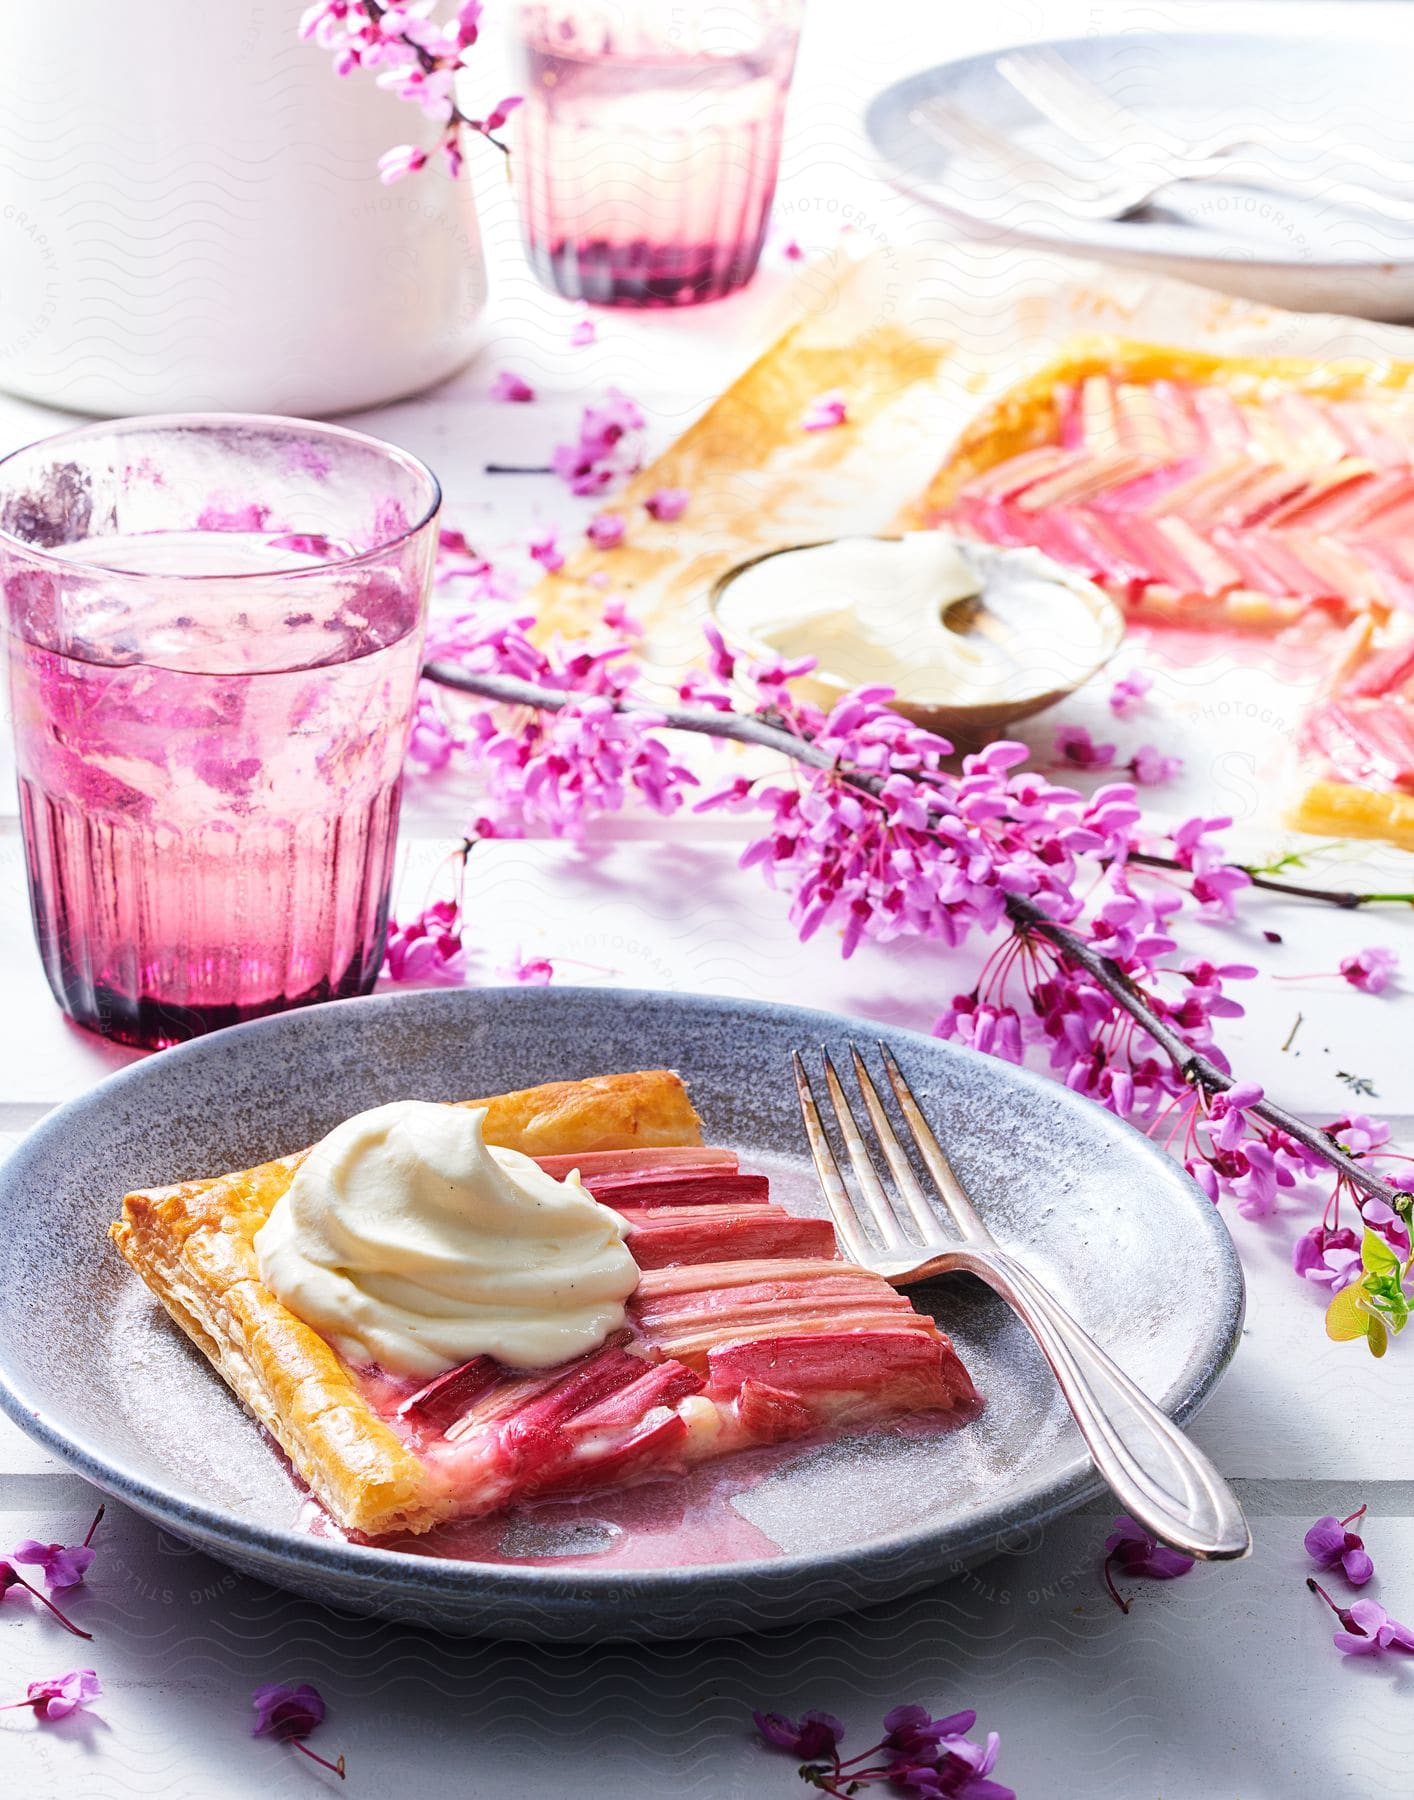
point(1345, 898)
point(1028, 918)
point(419, 61)
point(1195, 1068)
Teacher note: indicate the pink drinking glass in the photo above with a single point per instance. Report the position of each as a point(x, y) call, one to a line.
point(649, 142)
point(214, 627)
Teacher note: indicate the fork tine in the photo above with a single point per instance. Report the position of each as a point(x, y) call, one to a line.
point(964, 1215)
point(970, 135)
point(896, 1156)
point(1078, 104)
point(973, 137)
point(832, 1184)
point(1080, 190)
point(1120, 122)
point(880, 1206)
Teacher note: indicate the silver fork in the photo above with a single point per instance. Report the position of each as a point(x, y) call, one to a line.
point(1013, 172)
point(1085, 110)
point(1160, 1478)
point(1087, 185)
point(1149, 152)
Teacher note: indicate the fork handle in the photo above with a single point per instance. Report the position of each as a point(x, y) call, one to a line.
point(1160, 1478)
point(1276, 175)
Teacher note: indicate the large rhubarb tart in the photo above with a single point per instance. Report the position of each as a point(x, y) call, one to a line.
point(744, 1327)
point(1251, 494)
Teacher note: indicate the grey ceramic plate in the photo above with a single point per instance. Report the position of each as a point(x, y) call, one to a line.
point(1310, 91)
point(95, 1371)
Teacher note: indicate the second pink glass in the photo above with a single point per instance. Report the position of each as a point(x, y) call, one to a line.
point(214, 630)
point(649, 143)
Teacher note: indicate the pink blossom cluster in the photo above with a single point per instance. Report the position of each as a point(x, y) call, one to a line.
point(417, 58)
point(607, 446)
point(428, 947)
point(1076, 749)
point(931, 853)
point(932, 1758)
point(470, 578)
point(1366, 1629)
point(433, 741)
point(558, 770)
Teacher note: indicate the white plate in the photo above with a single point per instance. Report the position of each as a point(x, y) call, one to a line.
point(1313, 92)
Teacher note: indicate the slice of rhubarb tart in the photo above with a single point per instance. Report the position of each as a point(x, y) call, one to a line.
point(743, 1327)
point(1248, 494)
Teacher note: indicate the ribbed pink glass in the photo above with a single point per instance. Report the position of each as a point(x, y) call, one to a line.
point(649, 143)
point(213, 628)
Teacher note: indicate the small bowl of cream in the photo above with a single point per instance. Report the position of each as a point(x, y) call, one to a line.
point(970, 636)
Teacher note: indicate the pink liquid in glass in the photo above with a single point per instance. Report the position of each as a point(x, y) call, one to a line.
point(214, 630)
point(209, 837)
point(649, 144)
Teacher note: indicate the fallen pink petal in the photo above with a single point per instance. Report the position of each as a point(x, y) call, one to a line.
point(618, 618)
point(1136, 1552)
point(511, 387)
point(535, 971)
point(608, 447)
point(1151, 768)
point(667, 504)
point(1331, 1544)
point(825, 412)
point(61, 1694)
point(405, 160)
point(289, 1712)
point(1074, 745)
point(1128, 693)
point(11, 1581)
point(545, 550)
point(1371, 970)
point(606, 530)
point(62, 1565)
point(1366, 1629)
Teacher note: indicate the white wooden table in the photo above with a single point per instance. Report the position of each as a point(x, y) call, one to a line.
point(1222, 1685)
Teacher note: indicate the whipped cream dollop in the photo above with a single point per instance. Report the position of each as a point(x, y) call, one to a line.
point(886, 611)
point(407, 1240)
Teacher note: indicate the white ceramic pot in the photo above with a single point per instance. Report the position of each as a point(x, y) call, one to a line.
point(191, 217)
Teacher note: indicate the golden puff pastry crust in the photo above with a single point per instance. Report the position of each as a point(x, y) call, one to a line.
point(193, 1244)
point(1342, 809)
point(646, 1110)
